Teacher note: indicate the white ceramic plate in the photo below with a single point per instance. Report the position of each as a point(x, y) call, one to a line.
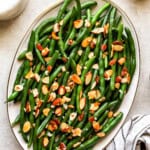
point(13, 110)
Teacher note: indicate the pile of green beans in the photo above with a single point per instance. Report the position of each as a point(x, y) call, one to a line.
point(74, 74)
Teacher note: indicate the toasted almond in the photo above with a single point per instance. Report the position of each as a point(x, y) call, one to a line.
point(66, 99)
point(45, 89)
point(43, 68)
point(39, 46)
point(91, 119)
point(92, 94)
point(117, 85)
point(55, 86)
point(65, 127)
point(47, 59)
point(41, 134)
point(64, 59)
point(87, 23)
point(46, 111)
point(68, 89)
point(96, 126)
point(29, 75)
point(72, 116)
point(57, 102)
point(91, 55)
point(35, 92)
point(78, 23)
point(94, 106)
point(37, 112)
point(80, 52)
point(18, 88)
point(112, 62)
point(118, 79)
point(76, 132)
point(45, 52)
point(125, 79)
point(52, 97)
point(76, 79)
point(37, 77)
point(45, 80)
point(56, 27)
point(29, 56)
point(98, 30)
point(78, 69)
point(28, 107)
point(88, 78)
point(82, 103)
point(70, 42)
point(54, 36)
point(97, 79)
point(63, 68)
point(122, 60)
point(58, 111)
point(26, 127)
point(39, 102)
point(95, 66)
point(124, 72)
point(61, 90)
point(106, 29)
point(52, 126)
point(108, 74)
point(76, 144)
point(93, 43)
point(110, 114)
point(116, 114)
point(117, 48)
point(86, 42)
point(103, 47)
point(45, 141)
point(101, 134)
point(71, 106)
point(102, 99)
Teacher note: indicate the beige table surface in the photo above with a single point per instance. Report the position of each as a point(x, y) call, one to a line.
point(12, 31)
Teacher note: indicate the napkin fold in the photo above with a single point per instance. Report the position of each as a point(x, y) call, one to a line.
point(134, 135)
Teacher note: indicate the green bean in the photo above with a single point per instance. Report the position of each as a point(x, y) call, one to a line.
point(88, 4)
point(31, 42)
point(53, 59)
point(47, 31)
point(16, 121)
point(51, 142)
point(78, 9)
point(22, 55)
point(13, 96)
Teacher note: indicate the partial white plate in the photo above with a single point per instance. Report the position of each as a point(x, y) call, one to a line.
point(13, 110)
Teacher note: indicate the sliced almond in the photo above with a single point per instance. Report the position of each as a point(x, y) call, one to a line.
point(29, 75)
point(18, 88)
point(94, 106)
point(101, 134)
point(68, 89)
point(78, 69)
point(91, 55)
point(93, 85)
point(117, 85)
point(117, 48)
point(56, 27)
point(93, 43)
point(116, 114)
point(37, 112)
point(76, 79)
point(66, 99)
point(58, 111)
point(65, 127)
point(61, 22)
point(45, 80)
point(87, 23)
point(88, 78)
point(80, 52)
point(110, 114)
point(106, 29)
point(95, 66)
point(63, 68)
point(122, 60)
point(86, 42)
point(45, 141)
point(54, 36)
point(108, 74)
point(112, 62)
point(52, 126)
point(52, 97)
point(125, 79)
point(78, 23)
point(70, 42)
point(82, 103)
point(29, 56)
point(81, 116)
point(103, 47)
point(45, 52)
point(76, 144)
point(46, 111)
point(118, 79)
point(45, 89)
point(96, 126)
point(47, 59)
point(41, 134)
point(35, 92)
point(61, 90)
point(98, 30)
point(37, 77)
point(55, 86)
point(26, 127)
point(76, 132)
point(39, 102)
point(72, 116)
point(92, 94)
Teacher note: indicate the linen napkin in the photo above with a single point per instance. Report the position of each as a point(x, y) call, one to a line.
point(134, 135)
